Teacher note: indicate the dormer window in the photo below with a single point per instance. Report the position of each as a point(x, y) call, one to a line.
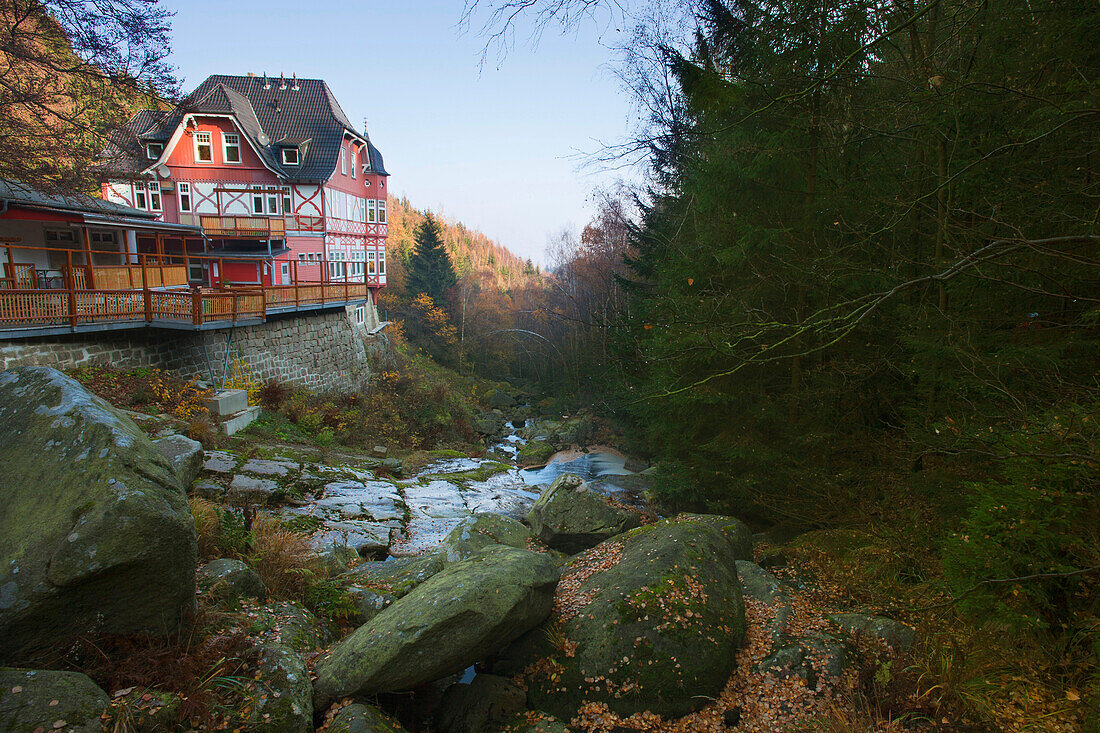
point(204, 147)
point(153, 150)
point(231, 148)
point(290, 156)
point(344, 161)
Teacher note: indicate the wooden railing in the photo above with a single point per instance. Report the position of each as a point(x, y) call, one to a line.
point(259, 227)
point(118, 277)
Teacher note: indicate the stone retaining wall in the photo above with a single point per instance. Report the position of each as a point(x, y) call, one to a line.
point(318, 350)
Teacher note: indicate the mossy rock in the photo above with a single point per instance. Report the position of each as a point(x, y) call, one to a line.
point(396, 576)
point(571, 517)
point(229, 580)
point(736, 532)
point(32, 698)
point(147, 711)
point(654, 617)
point(95, 532)
point(290, 624)
point(534, 721)
point(360, 718)
point(535, 453)
point(482, 530)
point(460, 616)
point(285, 704)
point(483, 705)
point(839, 543)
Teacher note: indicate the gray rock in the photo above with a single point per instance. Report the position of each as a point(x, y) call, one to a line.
point(501, 400)
point(249, 491)
point(262, 467)
point(369, 603)
point(360, 718)
point(482, 530)
point(26, 696)
point(893, 634)
point(184, 455)
point(218, 461)
point(397, 576)
point(735, 531)
point(570, 517)
point(809, 658)
point(292, 625)
point(228, 580)
point(758, 584)
point(288, 705)
point(666, 594)
point(208, 490)
point(483, 705)
point(489, 424)
point(459, 616)
point(96, 535)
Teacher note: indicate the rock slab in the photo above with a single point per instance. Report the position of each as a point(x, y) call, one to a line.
point(39, 699)
point(457, 617)
point(96, 535)
point(570, 517)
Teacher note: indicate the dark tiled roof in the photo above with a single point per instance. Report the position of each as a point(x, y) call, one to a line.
point(273, 112)
point(18, 193)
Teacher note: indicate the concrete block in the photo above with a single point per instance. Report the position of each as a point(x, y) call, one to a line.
point(241, 420)
point(228, 402)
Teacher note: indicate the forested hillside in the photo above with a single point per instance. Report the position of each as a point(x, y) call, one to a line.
point(861, 291)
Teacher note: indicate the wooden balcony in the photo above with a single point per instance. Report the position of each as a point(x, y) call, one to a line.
point(243, 227)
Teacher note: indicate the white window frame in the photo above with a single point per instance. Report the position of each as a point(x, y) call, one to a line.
point(354, 157)
point(155, 202)
point(257, 198)
point(297, 156)
point(284, 273)
point(359, 315)
point(103, 236)
point(227, 145)
point(149, 150)
point(141, 196)
point(370, 263)
point(381, 262)
point(288, 205)
point(204, 139)
point(381, 211)
point(371, 216)
point(59, 235)
point(343, 160)
point(301, 257)
point(183, 196)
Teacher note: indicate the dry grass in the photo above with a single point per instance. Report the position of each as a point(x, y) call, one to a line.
point(285, 560)
point(207, 527)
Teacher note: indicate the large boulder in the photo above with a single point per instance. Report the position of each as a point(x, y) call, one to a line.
point(184, 455)
point(501, 400)
point(396, 576)
point(482, 530)
point(649, 620)
point(570, 516)
point(483, 705)
point(459, 616)
point(33, 700)
point(889, 632)
point(96, 535)
point(736, 532)
point(227, 579)
point(535, 453)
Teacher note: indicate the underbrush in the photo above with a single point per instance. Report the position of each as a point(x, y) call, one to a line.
point(415, 404)
point(146, 389)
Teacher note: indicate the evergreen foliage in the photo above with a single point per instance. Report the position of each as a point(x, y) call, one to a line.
point(431, 271)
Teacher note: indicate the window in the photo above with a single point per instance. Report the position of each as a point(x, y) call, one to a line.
point(284, 270)
point(183, 192)
point(153, 150)
point(108, 236)
point(257, 200)
point(141, 196)
point(196, 271)
point(381, 263)
point(288, 208)
point(290, 156)
point(367, 183)
point(344, 161)
point(301, 256)
point(370, 263)
point(204, 148)
point(311, 257)
point(359, 315)
point(154, 196)
point(231, 147)
point(382, 212)
point(353, 157)
point(370, 211)
point(55, 236)
point(273, 201)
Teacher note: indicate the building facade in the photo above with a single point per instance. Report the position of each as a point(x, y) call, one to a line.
point(284, 188)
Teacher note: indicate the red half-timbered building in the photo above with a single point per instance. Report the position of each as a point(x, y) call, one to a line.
point(286, 190)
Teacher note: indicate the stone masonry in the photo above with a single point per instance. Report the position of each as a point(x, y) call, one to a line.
point(316, 350)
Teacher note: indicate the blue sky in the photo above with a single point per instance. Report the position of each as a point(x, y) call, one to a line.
point(493, 146)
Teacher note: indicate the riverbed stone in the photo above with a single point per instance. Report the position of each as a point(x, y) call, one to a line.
point(33, 699)
point(219, 461)
point(489, 424)
point(227, 579)
point(248, 490)
point(535, 453)
point(570, 517)
point(360, 718)
point(292, 625)
point(397, 576)
point(184, 455)
point(736, 532)
point(262, 467)
point(95, 530)
point(482, 530)
point(459, 616)
point(648, 620)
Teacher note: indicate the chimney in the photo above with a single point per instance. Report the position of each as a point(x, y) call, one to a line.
point(252, 74)
point(267, 84)
point(294, 78)
point(282, 81)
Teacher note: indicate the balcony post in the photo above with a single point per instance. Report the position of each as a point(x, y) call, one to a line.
point(196, 306)
point(89, 280)
point(297, 297)
point(11, 268)
point(71, 288)
point(148, 294)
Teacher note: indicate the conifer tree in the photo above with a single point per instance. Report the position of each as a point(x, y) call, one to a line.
point(430, 268)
